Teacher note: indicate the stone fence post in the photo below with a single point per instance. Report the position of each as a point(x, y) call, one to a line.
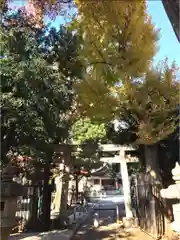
point(173, 192)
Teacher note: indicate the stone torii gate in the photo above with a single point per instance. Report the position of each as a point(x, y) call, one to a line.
point(122, 159)
point(63, 158)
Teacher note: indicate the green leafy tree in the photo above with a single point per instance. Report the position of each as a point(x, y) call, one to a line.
point(34, 94)
point(37, 99)
point(87, 135)
point(84, 129)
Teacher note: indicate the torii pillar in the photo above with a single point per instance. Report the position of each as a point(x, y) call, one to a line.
point(126, 185)
point(62, 182)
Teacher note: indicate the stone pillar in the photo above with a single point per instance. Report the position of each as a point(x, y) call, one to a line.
point(62, 182)
point(100, 183)
point(64, 190)
point(126, 185)
point(57, 197)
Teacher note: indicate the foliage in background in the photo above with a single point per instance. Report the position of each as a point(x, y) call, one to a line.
point(38, 71)
point(37, 99)
point(84, 129)
point(87, 135)
point(39, 8)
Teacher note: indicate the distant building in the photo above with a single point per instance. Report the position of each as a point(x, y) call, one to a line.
point(109, 176)
point(172, 9)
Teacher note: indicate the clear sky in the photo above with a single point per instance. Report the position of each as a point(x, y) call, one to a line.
point(168, 43)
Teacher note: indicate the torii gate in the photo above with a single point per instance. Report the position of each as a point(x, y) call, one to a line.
point(68, 149)
point(124, 170)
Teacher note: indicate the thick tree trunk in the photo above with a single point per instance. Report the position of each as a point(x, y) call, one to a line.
point(141, 153)
point(152, 165)
point(34, 210)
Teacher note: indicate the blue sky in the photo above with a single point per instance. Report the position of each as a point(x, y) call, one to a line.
point(168, 43)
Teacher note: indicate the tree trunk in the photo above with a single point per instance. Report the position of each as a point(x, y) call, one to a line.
point(34, 204)
point(141, 153)
point(46, 200)
point(34, 210)
point(152, 165)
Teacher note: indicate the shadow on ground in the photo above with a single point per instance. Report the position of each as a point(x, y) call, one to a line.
point(53, 235)
point(107, 232)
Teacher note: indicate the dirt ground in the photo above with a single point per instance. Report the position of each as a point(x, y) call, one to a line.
point(110, 232)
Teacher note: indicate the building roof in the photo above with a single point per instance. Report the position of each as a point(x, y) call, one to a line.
point(103, 172)
point(172, 9)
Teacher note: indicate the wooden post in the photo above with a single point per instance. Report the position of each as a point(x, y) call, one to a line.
point(126, 185)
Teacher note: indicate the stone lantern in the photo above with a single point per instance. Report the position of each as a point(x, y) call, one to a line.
point(173, 192)
point(10, 190)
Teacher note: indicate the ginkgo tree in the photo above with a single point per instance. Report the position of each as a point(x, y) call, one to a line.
point(118, 42)
point(118, 45)
point(119, 38)
point(149, 107)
